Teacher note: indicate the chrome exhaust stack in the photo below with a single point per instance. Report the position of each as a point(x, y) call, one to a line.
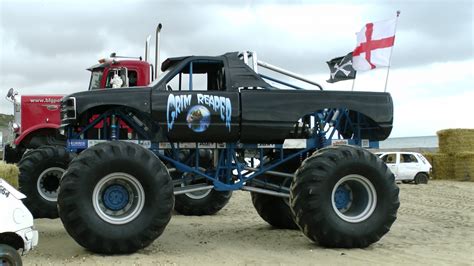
point(147, 47)
point(157, 51)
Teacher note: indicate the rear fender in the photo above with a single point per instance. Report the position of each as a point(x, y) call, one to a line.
point(276, 112)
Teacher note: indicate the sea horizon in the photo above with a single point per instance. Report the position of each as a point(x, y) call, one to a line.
point(409, 142)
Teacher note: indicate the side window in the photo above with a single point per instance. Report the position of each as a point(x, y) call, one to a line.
point(120, 72)
point(421, 158)
point(199, 75)
point(389, 158)
point(181, 82)
point(413, 158)
point(132, 78)
point(408, 158)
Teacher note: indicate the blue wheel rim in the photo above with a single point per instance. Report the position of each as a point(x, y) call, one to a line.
point(354, 198)
point(115, 197)
point(118, 198)
point(343, 197)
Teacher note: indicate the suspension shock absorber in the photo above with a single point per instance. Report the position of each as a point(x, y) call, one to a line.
point(334, 118)
point(113, 127)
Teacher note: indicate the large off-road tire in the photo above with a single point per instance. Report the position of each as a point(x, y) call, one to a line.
point(40, 175)
point(199, 203)
point(9, 256)
point(206, 202)
point(115, 198)
point(344, 197)
point(276, 210)
point(421, 178)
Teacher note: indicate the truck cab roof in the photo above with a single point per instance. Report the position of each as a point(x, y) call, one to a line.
point(236, 70)
point(118, 63)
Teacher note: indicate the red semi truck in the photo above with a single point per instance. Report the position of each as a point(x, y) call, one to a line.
point(36, 124)
point(37, 118)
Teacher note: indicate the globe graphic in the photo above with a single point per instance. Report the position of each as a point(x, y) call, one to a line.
point(198, 118)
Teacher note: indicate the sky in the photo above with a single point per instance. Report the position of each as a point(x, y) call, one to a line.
point(46, 46)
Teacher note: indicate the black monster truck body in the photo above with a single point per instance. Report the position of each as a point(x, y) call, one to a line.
point(212, 125)
point(240, 108)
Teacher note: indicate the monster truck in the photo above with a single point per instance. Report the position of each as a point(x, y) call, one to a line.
point(217, 125)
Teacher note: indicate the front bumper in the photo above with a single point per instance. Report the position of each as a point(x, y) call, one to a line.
point(30, 238)
point(10, 153)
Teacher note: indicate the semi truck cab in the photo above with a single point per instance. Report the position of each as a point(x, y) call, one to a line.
point(37, 119)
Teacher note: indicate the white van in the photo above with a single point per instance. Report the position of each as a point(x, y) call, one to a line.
point(407, 166)
point(16, 226)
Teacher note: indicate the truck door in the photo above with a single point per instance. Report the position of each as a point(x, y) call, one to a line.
point(193, 105)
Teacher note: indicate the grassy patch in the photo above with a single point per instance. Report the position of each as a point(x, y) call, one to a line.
point(10, 173)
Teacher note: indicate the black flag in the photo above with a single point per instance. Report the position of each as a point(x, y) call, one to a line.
point(341, 68)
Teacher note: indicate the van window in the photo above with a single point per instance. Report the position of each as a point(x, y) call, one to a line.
point(389, 158)
point(408, 158)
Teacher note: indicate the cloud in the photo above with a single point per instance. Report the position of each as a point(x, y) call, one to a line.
point(46, 45)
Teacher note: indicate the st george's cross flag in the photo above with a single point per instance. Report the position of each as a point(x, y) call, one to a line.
point(374, 45)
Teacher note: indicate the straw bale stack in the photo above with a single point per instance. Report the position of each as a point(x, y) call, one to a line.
point(429, 157)
point(10, 173)
point(455, 159)
point(464, 166)
point(442, 166)
point(452, 141)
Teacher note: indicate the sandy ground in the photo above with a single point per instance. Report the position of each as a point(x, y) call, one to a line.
point(434, 227)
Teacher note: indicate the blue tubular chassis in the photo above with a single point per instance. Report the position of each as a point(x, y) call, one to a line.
point(235, 165)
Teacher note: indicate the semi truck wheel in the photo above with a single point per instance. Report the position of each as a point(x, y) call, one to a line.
point(115, 198)
point(344, 197)
point(40, 175)
point(9, 256)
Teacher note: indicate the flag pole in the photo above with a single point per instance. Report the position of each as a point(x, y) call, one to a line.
point(391, 51)
point(353, 82)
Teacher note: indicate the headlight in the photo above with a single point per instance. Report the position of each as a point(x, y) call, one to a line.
point(19, 216)
point(68, 108)
point(15, 127)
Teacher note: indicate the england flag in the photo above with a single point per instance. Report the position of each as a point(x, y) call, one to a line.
point(374, 45)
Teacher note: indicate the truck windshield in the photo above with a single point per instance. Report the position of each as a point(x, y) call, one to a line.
point(96, 77)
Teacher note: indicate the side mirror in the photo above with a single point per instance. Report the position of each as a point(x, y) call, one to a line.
point(10, 93)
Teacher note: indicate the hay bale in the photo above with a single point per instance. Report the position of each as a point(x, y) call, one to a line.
point(10, 173)
point(443, 167)
point(429, 157)
point(464, 166)
point(452, 141)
